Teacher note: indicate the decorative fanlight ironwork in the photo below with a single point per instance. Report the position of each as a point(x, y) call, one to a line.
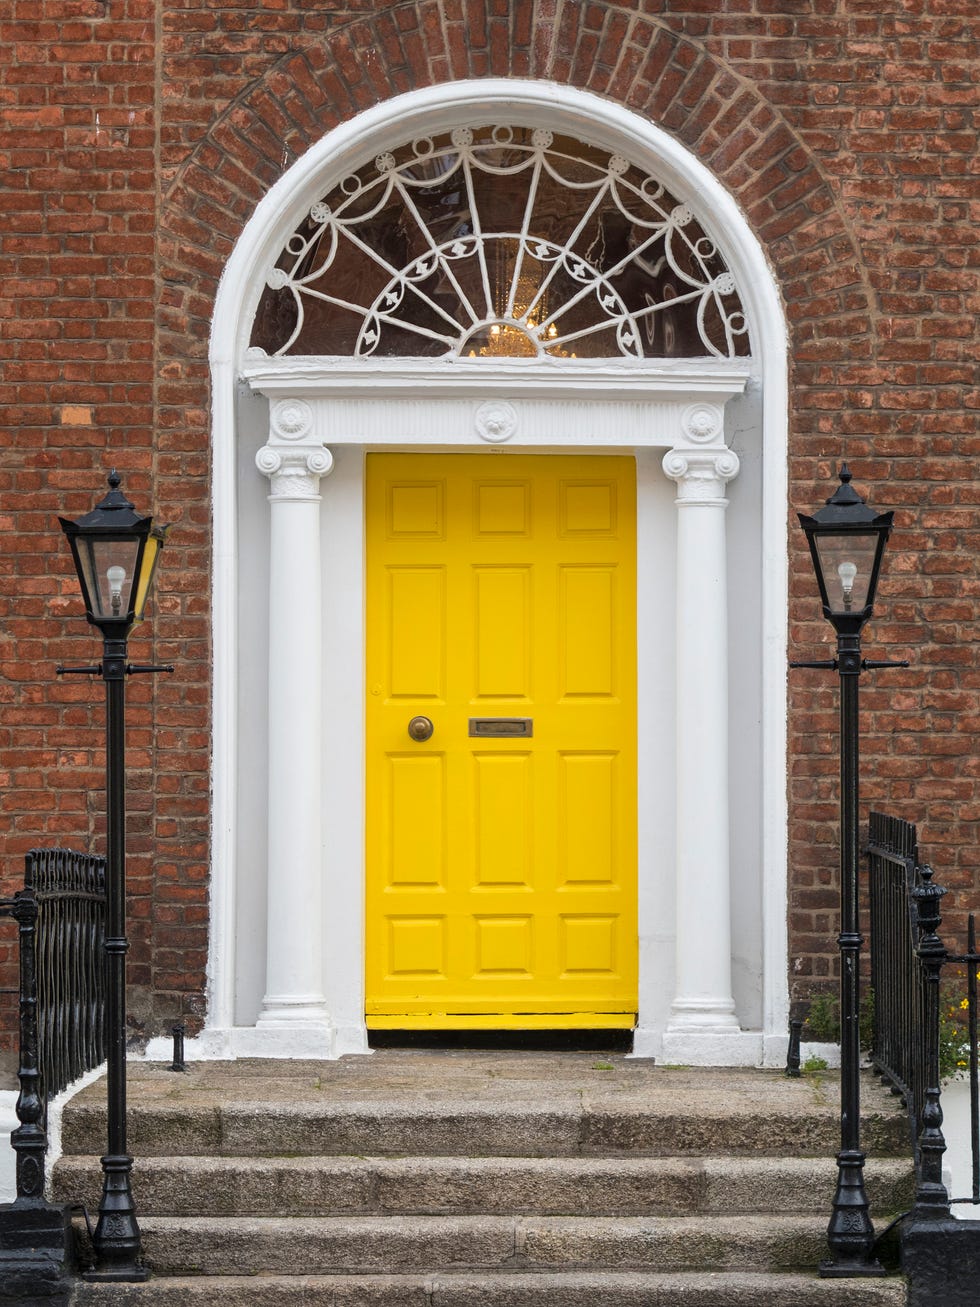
point(500, 241)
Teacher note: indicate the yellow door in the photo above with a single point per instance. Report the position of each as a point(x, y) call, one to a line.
point(501, 850)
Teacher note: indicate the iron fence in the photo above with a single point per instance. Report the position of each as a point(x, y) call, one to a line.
point(70, 892)
point(920, 1037)
point(915, 1040)
point(893, 873)
point(60, 914)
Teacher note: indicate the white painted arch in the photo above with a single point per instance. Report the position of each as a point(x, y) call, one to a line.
point(608, 125)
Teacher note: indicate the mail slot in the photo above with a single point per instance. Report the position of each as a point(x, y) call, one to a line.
point(502, 726)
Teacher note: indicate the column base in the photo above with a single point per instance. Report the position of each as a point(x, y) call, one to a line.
point(297, 1041)
point(738, 1048)
point(712, 1048)
point(292, 1039)
point(294, 1009)
point(714, 1016)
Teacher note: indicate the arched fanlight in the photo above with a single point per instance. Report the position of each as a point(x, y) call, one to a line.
point(500, 241)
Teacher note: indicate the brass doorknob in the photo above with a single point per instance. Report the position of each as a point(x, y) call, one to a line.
point(420, 728)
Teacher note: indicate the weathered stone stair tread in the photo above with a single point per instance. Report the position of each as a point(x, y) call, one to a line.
point(507, 1289)
point(376, 1244)
point(559, 1105)
point(224, 1186)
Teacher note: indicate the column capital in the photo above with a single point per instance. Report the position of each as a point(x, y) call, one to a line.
point(293, 459)
point(701, 474)
point(294, 470)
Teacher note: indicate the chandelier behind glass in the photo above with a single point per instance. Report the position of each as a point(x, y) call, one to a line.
point(500, 241)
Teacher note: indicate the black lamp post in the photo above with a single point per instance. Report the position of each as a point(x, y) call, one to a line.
point(847, 541)
point(115, 552)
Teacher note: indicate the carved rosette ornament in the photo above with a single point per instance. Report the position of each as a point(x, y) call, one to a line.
point(496, 421)
point(291, 419)
point(294, 471)
point(703, 423)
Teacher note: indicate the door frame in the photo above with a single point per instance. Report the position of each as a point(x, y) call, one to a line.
point(343, 389)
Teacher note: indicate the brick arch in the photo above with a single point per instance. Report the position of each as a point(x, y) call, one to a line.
point(235, 184)
point(597, 47)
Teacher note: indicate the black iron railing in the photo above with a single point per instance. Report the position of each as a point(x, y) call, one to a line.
point(893, 858)
point(907, 958)
point(70, 892)
point(60, 913)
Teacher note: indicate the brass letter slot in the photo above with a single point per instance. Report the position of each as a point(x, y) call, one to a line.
point(502, 726)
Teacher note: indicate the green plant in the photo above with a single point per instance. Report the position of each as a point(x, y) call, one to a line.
point(866, 1020)
point(814, 1064)
point(823, 1026)
point(954, 1043)
point(823, 1019)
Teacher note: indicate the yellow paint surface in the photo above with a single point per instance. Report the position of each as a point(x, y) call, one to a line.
point(501, 870)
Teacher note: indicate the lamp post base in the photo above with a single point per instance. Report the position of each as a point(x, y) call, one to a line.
point(117, 1275)
point(851, 1270)
point(850, 1234)
point(116, 1239)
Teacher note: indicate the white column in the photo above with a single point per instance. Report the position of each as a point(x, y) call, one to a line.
point(294, 1020)
point(702, 1024)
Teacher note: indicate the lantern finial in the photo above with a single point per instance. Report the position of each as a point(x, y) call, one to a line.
point(845, 495)
point(115, 499)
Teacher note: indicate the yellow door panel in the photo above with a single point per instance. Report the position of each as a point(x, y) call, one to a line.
point(587, 819)
point(415, 818)
point(416, 667)
point(501, 598)
point(501, 852)
point(502, 800)
point(587, 638)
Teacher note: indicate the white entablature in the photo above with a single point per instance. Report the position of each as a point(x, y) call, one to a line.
point(466, 402)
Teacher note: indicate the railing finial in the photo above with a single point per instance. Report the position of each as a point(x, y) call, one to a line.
point(926, 895)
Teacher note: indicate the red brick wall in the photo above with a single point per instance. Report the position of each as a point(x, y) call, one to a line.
point(136, 139)
point(79, 153)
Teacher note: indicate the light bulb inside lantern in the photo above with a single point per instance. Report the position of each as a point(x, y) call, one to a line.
point(847, 572)
point(116, 575)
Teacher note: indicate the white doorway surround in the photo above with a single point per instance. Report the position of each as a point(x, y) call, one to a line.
point(286, 959)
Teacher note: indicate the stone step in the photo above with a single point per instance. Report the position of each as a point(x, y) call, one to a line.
point(504, 1289)
point(492, 1129)
point(228, 1186)
point(490, 1104)
point(387, 1245)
